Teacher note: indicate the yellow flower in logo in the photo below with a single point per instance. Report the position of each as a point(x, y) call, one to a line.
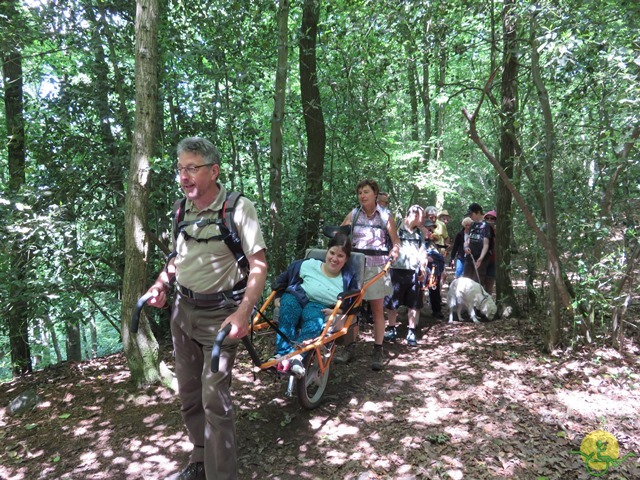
point(599, 449)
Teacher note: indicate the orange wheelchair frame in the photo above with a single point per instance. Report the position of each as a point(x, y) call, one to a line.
point(317, 352)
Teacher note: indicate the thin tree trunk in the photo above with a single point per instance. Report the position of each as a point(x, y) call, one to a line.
point(54, 338)
point(123, 111)
point(441, 41)
point(606, 203)
point(277, 256)
point(412, 79)
point(553, 337)
point(424, 92)
point(43, 334)
point(94, 337)
point(314, 125)
point(141, 349)
point(17, 308)
point(504, 200)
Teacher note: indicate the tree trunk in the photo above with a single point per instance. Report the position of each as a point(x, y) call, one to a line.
point(17, 311)
point(141, 349)
point(412, 79)
point(441, 41)
point(54, 337)
point(424, 93)
point(94, 337)
point(504, 199)
point(553, 336)
point(73, 340)
point(277, 256)
point(314, 125)
point(124, 116)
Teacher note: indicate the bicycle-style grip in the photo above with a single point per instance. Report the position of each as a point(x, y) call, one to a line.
point(217, 345)
point(135, 320)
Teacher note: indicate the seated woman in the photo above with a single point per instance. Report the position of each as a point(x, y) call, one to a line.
point(312, 289)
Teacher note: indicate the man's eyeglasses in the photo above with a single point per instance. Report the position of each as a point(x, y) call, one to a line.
point(191, 169)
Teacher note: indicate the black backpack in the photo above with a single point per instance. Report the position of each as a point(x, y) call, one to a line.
point(476, 238)
point(228, 229)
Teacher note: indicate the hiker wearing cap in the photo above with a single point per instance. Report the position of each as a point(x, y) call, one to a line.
point(477, 246)
point(490, 279)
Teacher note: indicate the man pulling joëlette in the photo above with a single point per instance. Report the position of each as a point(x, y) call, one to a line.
point(212, 291)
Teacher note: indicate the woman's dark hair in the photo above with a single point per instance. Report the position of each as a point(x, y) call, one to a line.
point(343, 241)
point(370, 183)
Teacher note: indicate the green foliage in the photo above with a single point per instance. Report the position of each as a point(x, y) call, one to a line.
point(218, 61)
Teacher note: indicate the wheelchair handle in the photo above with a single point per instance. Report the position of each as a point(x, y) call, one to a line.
point(217, 346)
point(135, 319)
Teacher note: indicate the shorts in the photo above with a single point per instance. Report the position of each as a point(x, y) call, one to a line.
point(491, 269)
point(470, 269)
point(381, 288)
point(407, 290)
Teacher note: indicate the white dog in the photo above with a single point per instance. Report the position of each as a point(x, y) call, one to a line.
point(466, 294)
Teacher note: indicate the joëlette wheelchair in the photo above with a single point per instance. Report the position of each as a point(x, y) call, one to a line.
point(317, 353)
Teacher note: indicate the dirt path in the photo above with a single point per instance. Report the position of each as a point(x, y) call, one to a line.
point(471, 401)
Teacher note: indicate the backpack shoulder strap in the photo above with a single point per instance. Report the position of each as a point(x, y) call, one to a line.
point(354, 216)
point(231, 237)
point(385, 214)
point(228, 209)
point(178, 216)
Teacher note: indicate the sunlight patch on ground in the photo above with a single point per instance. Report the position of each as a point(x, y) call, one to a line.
point(376, 407)
point(333, 429)
point(432, 414)
point(80, 431)
point(591, 405)
point(156, 417)
point(514, 366)
point(458, 433)
point(108, 453)
point(336, 457)
point(88, 458)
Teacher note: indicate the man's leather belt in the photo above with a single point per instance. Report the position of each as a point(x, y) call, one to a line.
point(232, 295)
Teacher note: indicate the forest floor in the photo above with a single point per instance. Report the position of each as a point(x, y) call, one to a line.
point(474, 401)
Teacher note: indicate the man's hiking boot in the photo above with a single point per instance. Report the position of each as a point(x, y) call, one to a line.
point(411, 338)
point(377, 362)
point(193, 471)
point(390, 334)
point(346, 355)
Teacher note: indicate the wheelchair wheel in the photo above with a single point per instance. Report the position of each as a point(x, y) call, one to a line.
point(311, 387)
